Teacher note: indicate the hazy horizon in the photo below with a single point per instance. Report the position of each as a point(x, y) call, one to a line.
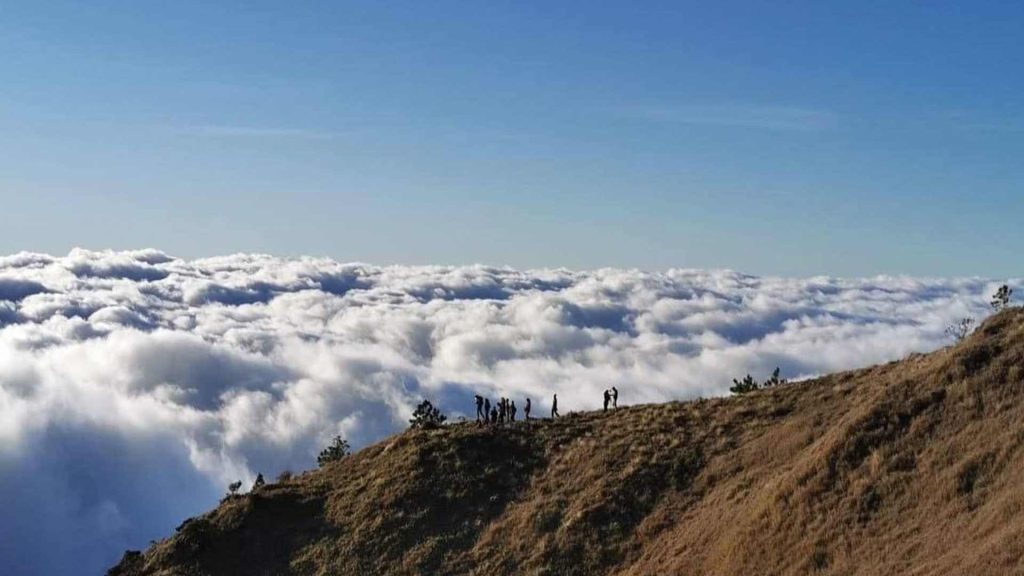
point(494, 264)
point(797, 140)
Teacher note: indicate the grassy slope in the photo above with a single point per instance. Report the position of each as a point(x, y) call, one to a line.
point(913, 467)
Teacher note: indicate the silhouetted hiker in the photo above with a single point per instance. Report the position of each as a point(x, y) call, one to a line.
point(607, 399)
point(479, 408)
point(494, 415)
point(526, 409)
point(260, 482)
point(615, 397)
point(512, 411)
point(554, 406)
point(487, 409)
point(501, 410)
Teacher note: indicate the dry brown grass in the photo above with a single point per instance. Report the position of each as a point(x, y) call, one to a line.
point(913, 467)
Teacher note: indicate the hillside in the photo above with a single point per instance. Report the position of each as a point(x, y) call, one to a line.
point(912, 467)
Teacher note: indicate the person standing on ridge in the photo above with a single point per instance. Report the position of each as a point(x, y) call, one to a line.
point(512, 411)
point(526, 410)
point(487, 410)
point(615, 397)
point(607, 399)
point(479, 408)
point(554, 406)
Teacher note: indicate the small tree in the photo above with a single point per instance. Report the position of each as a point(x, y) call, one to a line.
point(338, 449)
point(748, 384)
point(427, 416)
point(233, 487)
point(774, 380)
point(1001, 299)
point(959, 330)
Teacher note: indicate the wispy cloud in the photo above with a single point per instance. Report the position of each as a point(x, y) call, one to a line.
point(737, 116)
point(1013, 126)
point(228, 131)
point(964, 120)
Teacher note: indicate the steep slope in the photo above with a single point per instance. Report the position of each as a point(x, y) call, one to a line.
point(913, 467)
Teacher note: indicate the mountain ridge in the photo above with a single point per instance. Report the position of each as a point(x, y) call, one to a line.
point(901, 468)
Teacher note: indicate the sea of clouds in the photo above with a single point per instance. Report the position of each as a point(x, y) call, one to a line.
point(134, 386)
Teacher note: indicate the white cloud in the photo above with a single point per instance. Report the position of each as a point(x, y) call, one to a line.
point(134, 386)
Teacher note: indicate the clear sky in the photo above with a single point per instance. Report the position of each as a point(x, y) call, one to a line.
point(847, 138)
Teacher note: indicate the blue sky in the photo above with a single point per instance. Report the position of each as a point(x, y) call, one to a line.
point(769, 137)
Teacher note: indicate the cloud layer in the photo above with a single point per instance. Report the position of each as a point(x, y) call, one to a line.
point(134, 386)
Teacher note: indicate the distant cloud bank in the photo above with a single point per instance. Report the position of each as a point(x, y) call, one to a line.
point(134, 386)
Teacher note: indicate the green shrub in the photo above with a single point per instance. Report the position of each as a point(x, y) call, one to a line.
point(427, 416)
point(338, 449)
point(1001, 299)
point(961, 329)
point(774, 380)
point(748, 384)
